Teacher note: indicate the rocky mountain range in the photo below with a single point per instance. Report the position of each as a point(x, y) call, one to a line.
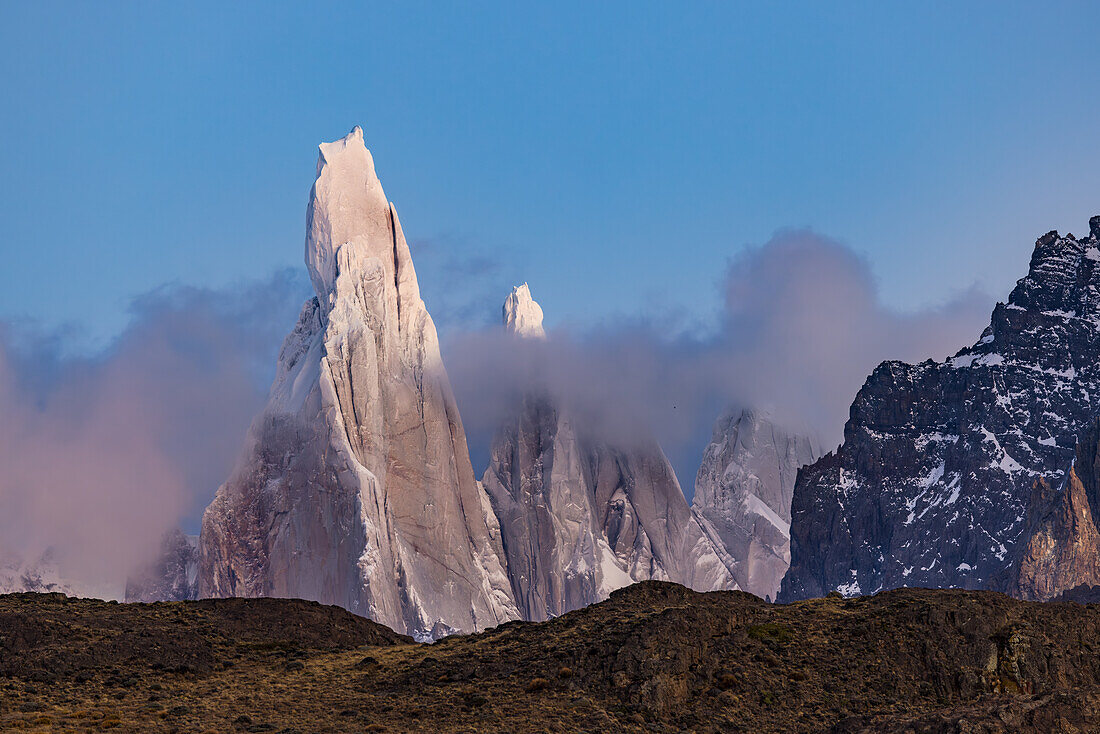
point(355, 486)
point(949, 470)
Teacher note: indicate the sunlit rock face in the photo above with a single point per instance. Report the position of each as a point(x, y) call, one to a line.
point(1061, 541)
point(580, 517)
point(933, 484)
point(355, 487)
point(522, 315)
point(743, 495)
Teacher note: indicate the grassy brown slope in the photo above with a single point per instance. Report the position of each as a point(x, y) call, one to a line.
point(654, 657)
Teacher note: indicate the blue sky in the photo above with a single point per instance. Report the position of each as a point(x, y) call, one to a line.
point(614, 155)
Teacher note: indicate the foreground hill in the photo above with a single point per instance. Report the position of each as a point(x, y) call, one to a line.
point(654, 657)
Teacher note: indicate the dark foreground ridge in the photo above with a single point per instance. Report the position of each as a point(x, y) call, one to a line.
point(655, 657)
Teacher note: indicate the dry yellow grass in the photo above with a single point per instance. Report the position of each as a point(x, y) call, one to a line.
point(655, 657)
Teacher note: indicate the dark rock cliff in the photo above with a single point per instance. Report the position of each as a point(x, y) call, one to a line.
point(932, 485)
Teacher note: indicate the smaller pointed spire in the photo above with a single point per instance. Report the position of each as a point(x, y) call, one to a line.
point(522, 315)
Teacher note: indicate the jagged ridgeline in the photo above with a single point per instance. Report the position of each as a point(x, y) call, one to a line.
point(355, 487)
point(937, 482)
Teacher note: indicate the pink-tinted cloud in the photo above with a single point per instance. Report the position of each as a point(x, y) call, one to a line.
point(802, 326)
point(101, 455)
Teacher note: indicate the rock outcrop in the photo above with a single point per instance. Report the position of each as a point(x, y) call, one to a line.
point(933, 483)
point(743, 495)
point(1061, 543)
point(355, 487)
point(580, 517)
point(172, 576)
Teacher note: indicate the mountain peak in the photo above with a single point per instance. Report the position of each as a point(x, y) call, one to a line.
point(347, 208)
point(355, 486)
point(967, 440)
point(349, 150)
point(1063, 275)
point(522, 314)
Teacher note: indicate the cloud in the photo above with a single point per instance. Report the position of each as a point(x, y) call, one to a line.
point(802, 326)
point(102, 454)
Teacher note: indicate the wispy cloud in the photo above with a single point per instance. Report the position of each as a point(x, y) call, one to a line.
point(103, 453)
point(802, 326)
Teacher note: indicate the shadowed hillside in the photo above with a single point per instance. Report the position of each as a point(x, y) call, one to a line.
point(655, 657)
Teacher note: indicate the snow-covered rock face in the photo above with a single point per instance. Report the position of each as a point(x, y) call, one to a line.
point(743, 495)
point(172, 576)
point(933, 483)
point(580, 518)
point(41, 575)
point(355, 487)
point(522, 315)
